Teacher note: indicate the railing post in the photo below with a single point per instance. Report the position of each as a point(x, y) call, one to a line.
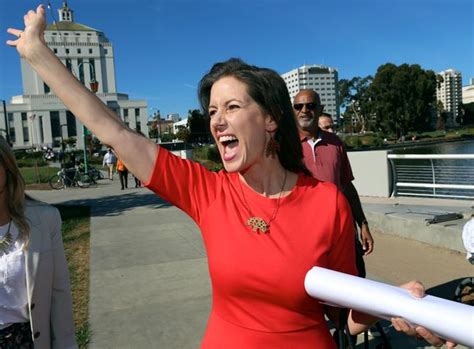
point(394, 177)
point(433, 176)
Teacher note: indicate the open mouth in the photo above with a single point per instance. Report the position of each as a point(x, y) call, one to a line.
point(231, 146)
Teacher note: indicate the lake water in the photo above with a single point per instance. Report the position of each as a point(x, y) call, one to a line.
point(462, 147)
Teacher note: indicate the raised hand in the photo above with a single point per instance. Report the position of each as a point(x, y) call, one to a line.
point(33, 34)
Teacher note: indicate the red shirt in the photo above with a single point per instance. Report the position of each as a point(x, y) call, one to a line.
point(328, 161)
point(259, 300)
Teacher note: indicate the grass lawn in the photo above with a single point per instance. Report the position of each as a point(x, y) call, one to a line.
point(76, 236)
point(34, 175)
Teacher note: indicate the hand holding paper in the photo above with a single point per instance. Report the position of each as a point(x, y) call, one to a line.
point(450, 320)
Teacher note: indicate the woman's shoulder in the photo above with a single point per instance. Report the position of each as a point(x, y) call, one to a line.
point(40, 209)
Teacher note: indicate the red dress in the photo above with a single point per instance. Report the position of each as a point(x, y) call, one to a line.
point(259, 300)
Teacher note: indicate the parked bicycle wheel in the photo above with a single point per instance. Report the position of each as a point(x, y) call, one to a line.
point(56, 182)
point(83, 180)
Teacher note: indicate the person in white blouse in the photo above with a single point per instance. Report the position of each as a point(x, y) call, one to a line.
point(35, 296)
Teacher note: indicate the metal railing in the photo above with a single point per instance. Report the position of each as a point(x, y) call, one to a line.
point(444, 176)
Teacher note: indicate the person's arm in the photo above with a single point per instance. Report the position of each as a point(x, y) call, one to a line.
point(139, 153)
point(62, 325)
point(352, 196)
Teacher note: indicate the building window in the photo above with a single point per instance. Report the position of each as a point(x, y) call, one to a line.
point(55, 50)
point(78, 51)
point(67, 51)
point(46, 88)
point(26, 134)
point(71, 124)
point(90, 51)
point(125, 112)
point(12, 134)
point(106, 51)
point(92, 64)
point(69, 64)
point(10, 117)
point(137, 111)
point(55, 124)
point(139, 126)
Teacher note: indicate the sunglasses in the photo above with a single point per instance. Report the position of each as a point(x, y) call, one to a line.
point(309, 106)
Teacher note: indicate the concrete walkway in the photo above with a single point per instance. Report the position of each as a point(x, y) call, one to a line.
point(149, 280)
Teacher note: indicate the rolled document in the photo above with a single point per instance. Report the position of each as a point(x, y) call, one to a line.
point(449, 320)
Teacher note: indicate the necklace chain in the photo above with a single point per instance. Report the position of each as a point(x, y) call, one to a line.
point(257, 223)
point(7, 240)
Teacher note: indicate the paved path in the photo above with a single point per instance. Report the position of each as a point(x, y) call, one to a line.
point(149, 280)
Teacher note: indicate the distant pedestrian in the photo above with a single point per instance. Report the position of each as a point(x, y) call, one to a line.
point(109, 161)
point(138, 183)
point(123, 174)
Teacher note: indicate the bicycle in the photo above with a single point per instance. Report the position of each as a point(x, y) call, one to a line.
point(67, 178)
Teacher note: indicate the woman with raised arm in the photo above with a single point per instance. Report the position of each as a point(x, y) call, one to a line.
point(35, 297)
point(256, 217)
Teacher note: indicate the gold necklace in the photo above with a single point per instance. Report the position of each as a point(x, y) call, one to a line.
point(7, 240)
point(258, 223)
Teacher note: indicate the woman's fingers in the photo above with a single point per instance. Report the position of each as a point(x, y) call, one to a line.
point(15, 32)
point(429, 337)
point(402, 326)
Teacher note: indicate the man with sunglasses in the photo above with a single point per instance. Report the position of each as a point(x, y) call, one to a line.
point(326, 158)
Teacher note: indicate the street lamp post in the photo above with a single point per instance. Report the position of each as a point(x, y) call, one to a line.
point(94, 85)
point(62, 145)
point(7, 133)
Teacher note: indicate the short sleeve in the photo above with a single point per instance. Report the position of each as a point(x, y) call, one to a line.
point(342, 253)
point(184, 183)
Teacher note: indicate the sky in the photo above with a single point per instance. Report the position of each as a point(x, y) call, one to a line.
point(163, 48)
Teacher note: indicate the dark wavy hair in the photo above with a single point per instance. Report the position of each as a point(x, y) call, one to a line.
point(269, 91)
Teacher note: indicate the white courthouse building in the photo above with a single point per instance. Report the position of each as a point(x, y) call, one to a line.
point(319, 78)
point(37, 117)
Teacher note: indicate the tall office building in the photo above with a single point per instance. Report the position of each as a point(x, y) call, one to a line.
point(449, 92)
point(37, 117)
point(320, 78)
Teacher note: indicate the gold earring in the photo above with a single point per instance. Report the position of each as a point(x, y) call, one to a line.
point(273, 147)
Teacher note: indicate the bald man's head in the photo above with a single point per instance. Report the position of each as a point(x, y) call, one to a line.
point(307, 108)
point(326, 123)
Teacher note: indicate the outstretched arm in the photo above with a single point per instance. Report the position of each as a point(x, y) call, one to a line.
point(136, 151)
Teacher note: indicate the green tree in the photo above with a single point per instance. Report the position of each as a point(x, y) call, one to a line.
point(183, 134)
point(199, 127)
point(353, 96)
point(467, 114)
point(403, 98)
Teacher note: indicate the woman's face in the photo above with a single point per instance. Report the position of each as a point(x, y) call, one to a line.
point(238, 124)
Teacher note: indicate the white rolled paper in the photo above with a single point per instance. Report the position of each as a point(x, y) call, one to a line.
point(449, 320)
